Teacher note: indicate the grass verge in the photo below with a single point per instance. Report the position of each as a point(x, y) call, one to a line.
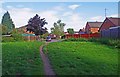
point(82, 58)
point(21, 58)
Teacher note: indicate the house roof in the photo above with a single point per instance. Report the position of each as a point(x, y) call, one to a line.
point(115, 20)
point(94, 24)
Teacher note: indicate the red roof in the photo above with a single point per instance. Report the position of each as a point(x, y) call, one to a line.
point(115, 21)
point(94, 24)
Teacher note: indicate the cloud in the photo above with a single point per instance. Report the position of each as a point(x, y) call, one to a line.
point(97, 18)
point(73, 7)
point(75, 21)
point(113, 15)
point(58, 8)
point(20, 16)
point(67, 13)
point(9, 7)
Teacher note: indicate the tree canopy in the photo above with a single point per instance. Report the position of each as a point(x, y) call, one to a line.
point(36, 25)
point(58, 28)
point(70, 30)
point(7, 22)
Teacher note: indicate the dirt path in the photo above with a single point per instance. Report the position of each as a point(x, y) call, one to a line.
point(47, 67)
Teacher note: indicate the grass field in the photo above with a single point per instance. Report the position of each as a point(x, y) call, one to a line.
point(0, 59)
point(82, 58)
point(21, 58)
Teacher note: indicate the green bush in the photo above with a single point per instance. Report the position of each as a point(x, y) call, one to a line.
point(7, 39)
point(109, 42)
point(76, 39)
point(13, 38)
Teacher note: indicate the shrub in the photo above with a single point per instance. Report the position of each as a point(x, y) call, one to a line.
point(8, 39)
point(76, 39)
point(13, 38)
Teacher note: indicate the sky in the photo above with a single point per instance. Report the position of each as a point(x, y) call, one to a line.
point(73, 14)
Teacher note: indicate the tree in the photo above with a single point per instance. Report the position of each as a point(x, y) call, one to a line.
point(7, 21)
point(36, 25)
point(58, 28)
point(70, 30)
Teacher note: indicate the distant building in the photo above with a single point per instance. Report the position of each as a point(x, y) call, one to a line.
point(92, 27)
point(82, 31)
point(24, 30)
point(110, 22)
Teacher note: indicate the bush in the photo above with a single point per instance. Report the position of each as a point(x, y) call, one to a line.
point(109, 42)
point(76, 39)
point(7, 39)
point(13, 38)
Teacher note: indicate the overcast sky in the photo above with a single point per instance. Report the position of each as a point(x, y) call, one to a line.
point(73, 14)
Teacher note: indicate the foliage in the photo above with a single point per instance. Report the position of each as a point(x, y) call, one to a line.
point(70, 30)
point(7, 39)
point(21, 58)
point(15, 36)
point(106, 41)
point(82, 58)
point(110, 42)
point(58, 28)
point(45, 35)
point(7, 21)
point(36, 25)
point(3, 29)
point(76, 39)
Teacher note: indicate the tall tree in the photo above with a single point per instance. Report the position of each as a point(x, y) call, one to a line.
point(58, 28)
point(36, 25)
point(70, 30)
point(7, 21)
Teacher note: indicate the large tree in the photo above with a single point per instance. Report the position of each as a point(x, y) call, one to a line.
point(58, 28)
point(36, 25)
point(7, 21)
point(70, 30)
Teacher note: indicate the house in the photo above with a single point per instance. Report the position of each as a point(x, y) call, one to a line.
point(109, 22)
point(92, 27)
point(82, 31)
point(110, 28)
point(23, 29)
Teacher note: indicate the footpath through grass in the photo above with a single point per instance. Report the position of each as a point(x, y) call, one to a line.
point(82, 58)
point(21, 58)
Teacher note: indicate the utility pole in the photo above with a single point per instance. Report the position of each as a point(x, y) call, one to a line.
point(105, 12)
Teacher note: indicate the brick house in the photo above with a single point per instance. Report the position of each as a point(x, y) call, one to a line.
point(92, 27)
point(24, 30)
point(110, 22)
point(82, 31)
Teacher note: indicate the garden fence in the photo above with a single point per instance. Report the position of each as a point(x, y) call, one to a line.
point(111, 33)
point(95, 35)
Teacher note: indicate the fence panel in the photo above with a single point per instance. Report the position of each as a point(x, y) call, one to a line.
point(111, 33)
point(95, 35)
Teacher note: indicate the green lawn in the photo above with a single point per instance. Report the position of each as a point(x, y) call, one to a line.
point(21, 58)
point(82, 58)
point(0, 59)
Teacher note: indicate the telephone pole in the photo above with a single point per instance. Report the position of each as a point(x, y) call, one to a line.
point(105, 12)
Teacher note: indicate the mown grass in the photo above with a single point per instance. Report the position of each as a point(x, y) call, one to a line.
point(21, 58)
point(82, 58)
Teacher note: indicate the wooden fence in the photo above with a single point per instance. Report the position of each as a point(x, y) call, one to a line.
point(113, 32)
point(95, 35)
point(29, 38)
